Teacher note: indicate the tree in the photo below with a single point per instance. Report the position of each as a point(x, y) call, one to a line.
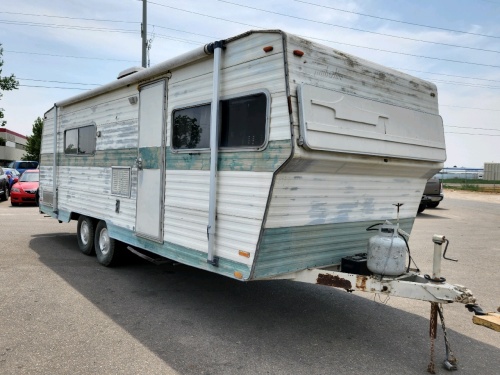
point(6, 84)
point(34, 141)
point(187, 132)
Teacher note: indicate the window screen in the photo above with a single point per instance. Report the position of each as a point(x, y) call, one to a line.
point(80, 141)
point(242, 124)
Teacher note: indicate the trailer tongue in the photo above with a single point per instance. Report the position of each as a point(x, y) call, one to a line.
point(410, 284)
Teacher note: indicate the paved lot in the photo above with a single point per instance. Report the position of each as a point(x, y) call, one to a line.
point(62, 313)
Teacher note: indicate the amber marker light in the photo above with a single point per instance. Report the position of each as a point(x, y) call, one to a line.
point(245, 254)
point(298, 52)
point(238, 275)
point(268, 48)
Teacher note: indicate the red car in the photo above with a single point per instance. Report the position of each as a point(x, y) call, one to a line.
point(24, 191)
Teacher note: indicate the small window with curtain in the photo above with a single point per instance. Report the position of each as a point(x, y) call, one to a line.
point(80, 141)
point(243, 124)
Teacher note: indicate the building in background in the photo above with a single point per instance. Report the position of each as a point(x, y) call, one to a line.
point(492, 171)
point(12, 146)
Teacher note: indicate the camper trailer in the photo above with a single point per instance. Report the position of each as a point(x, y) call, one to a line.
point(262, 156)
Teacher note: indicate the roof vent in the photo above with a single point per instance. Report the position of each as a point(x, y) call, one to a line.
point(129, 71)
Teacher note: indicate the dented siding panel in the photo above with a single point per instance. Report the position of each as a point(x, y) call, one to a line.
point(241, 203)
point(318, 198)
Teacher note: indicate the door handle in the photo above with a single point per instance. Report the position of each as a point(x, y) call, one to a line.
point(138, 163)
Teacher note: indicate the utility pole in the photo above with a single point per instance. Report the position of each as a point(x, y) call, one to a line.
point(144, 32)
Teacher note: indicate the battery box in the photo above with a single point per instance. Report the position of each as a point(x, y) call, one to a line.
point(355, 264)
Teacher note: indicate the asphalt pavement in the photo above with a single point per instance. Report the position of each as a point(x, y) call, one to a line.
point(63, 313)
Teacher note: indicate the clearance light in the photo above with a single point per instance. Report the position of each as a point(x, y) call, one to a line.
point(245, 254)
point(238, 275)
point(298, 52)
point(268, 48)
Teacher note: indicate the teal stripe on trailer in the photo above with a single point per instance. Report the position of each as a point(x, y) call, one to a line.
point(284, 250)
point(267, 160)
point(120, 157)
point(151, 157)
point(179, 253)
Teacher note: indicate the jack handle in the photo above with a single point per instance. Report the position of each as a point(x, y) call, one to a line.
point(444, 252)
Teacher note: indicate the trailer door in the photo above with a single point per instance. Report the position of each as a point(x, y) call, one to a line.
point(150, 162)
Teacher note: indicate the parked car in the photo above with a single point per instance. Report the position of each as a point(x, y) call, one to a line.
point(12, 176)
point(4, 185)
point(433, 194)
point(22, 165)
point(24, 191)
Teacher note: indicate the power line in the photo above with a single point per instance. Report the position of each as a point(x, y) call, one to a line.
point(470, 127)
point(331, 41)
point(479, 109)
point(448, 75)
point(467, 84)
point(356, 29)
point(70, 27)
point(55, 87)
point(488, 135)
point(402, 53)
point(81, 28)
point(70, 83)
point(73, 57)
point(71, 18)
point(393, 20)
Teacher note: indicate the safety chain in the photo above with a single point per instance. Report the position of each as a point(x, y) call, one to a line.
point(451, 360)
point(432, 334)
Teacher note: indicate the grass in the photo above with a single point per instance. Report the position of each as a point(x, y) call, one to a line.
point(472, 185)
point(469, 181)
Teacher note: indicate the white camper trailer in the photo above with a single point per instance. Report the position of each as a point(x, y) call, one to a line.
point(261, 156)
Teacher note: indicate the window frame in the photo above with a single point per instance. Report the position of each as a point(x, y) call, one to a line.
point(223, 149)
point(78, 140)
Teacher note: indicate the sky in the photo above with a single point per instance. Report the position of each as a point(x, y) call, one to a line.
point(58, 48)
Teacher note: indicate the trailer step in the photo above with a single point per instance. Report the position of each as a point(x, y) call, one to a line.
point(156, 261)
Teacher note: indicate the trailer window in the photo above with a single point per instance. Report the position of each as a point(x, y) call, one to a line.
point(80, 141)
point(242, 124)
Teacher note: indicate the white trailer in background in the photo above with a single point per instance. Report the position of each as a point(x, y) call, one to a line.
point(261, 156)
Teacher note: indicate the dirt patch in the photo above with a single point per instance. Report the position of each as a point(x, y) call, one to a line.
point(472, 195)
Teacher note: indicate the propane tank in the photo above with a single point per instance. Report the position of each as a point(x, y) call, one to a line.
point(387, 252)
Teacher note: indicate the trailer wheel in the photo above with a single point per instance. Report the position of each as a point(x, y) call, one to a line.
point(105, 246)
point(85, 235)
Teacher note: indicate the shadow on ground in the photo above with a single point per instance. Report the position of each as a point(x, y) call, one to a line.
point(202, 323)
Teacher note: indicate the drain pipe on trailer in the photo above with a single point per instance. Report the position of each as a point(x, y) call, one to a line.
point(54, 165)
point(216, 47)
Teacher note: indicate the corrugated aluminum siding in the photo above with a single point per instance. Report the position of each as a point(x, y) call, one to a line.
point(242, 195)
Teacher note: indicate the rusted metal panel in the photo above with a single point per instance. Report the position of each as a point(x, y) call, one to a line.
point(411, 286)
point(335, 281)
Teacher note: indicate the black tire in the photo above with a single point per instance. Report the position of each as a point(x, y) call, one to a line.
point(85, 235)
point(105, 246)
point(432, 205)
point(421, 208)
point(5, 195)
